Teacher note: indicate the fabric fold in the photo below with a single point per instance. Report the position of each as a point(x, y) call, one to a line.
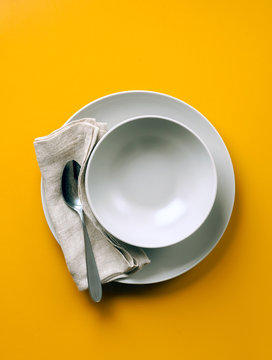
point(75, 141)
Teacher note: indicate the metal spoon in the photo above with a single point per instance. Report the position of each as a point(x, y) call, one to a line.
point(70, 193)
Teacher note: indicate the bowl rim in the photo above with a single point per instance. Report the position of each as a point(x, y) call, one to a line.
point(132, 119)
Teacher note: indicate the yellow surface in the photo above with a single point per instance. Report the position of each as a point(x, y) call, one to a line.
point(58, 55)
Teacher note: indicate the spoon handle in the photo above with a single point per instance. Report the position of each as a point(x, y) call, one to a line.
point(94, 283)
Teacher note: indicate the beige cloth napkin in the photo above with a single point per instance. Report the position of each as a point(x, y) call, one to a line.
point(75, 141)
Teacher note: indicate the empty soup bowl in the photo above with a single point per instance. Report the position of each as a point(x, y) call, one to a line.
point(151, 182)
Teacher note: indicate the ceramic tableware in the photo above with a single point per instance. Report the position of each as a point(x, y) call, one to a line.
point(151, 182)
point(171, 261)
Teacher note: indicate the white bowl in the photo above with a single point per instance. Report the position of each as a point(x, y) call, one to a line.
point(151, 182)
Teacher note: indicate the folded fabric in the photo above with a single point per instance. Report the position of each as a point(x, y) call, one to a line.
point(75, 141)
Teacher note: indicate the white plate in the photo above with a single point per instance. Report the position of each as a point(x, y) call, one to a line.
point(169, 262)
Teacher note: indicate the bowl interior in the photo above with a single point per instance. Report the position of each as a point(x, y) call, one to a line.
point(151, 182)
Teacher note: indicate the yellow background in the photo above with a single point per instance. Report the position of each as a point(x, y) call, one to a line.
point(58, 55)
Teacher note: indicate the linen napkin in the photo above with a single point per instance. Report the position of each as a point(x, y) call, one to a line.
point(75, 141)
